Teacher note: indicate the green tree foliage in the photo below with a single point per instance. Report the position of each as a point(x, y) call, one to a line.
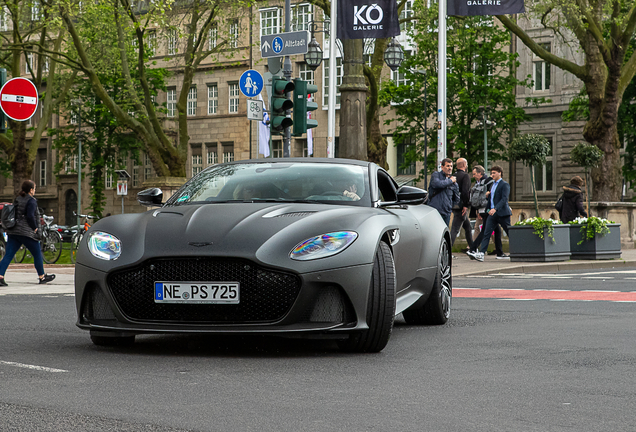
point(532, 150)
point(479, 65)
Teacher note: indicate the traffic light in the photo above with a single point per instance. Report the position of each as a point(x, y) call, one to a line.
point(302, 106)
point(280, 104)
point(3, 117)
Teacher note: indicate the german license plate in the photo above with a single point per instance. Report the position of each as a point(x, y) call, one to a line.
point(197, 292)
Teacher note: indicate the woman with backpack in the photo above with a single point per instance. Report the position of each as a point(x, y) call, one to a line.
point(572, 201)
point(25, 232)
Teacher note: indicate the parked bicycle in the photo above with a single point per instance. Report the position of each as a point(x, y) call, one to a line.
point(77, 236)
point(51, 243)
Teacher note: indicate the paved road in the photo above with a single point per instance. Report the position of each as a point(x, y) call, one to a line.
point(498, 365)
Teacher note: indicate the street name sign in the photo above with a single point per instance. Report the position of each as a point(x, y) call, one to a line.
point(284, 44)
point(251, 83)
point(19, 99)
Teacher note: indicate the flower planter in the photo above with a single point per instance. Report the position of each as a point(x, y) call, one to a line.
point(601, 247)
point(527, 246)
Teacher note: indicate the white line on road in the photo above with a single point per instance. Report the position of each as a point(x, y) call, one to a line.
point(33, 367)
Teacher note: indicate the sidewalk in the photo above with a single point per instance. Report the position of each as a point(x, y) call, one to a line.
point(464, 266)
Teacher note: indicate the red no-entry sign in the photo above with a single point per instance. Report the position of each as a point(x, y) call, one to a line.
point(19, 99)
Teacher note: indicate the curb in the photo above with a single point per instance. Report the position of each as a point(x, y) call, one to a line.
point(552, 267)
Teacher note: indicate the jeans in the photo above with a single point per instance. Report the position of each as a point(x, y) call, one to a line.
point(480, 236)
point(492, 222)
point(13, 244)
point(459, 222)
point(446, 218)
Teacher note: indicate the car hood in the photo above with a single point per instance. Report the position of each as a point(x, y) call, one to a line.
point(263, 232)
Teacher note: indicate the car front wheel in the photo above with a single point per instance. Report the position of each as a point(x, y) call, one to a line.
point(380, 306)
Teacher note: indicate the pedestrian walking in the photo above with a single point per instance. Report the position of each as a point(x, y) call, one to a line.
point(572, 200)
point(479, 200)
point(498, 211)
point(25, 232)
point(460, 211)
point(443, 190)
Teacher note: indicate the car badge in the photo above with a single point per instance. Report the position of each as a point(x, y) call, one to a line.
point(200, 244)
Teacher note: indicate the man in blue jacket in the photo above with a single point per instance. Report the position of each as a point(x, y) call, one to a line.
point(498, 211)
point(443, 190)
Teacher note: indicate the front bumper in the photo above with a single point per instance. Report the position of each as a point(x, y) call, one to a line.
point(272, 301)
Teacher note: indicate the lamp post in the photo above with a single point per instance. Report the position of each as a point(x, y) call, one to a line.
point(78, 103)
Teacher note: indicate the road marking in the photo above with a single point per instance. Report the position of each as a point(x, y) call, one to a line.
point(33, 367)
point(613, 296)
point(597, 277)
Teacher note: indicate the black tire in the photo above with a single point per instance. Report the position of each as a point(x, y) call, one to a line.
point(380, 308)
point(20, 254)
point(436, 310)
point(112, 341)
point(51, 247)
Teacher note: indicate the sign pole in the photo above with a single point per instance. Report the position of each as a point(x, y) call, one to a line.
point(331, 109)
point(287, 73)
point(441, 88)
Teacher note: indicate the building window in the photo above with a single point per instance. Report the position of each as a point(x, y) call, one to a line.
point(197, 164)
point(542, 72)
point(213, 158)
point(4, 18)
point(147, 167)
point(402, 150)
point(213, 98)
point(45, 66)
point(172, 42)
point(228, 152)
point(325, 80)
point(277, 149)
point(70, 164)
point(306, 74)
point(234, 98)
point(35, 11)
point(43, 172)
point(270, 21)
point(212, 36)
point(108, 179)
point(302, 15)
point(543, 175)
point(152, 43)
point(192, 101)
point(172, 102)
point(407, 12)
point(135, 176)
point(234, 33)
point(29, 60)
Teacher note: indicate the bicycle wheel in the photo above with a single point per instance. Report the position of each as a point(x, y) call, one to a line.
point(75, 241)
point(51, 247)
point(20, 254)
point(3, 248)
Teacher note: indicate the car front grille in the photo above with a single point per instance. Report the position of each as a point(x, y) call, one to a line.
point(265, 296)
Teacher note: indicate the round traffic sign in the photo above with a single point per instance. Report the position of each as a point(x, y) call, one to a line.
point(19, 99)
point(251, 83)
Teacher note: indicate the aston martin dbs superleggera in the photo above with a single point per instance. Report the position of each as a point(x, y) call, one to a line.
point(298, 247)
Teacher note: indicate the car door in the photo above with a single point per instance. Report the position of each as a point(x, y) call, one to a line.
point(407, 246)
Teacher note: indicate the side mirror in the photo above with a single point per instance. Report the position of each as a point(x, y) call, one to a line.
point(150, 197)
point(411, 195)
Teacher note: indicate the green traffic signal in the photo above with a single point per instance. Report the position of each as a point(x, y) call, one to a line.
point(280, 105)
point(302, 106)
point(3, 117)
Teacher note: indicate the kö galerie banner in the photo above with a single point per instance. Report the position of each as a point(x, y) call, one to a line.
point(484, 7)
point(359, 19)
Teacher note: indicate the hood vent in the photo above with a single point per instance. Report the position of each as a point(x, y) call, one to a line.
point(296, 214)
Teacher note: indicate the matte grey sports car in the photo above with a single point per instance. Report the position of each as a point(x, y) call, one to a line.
point(298, 247)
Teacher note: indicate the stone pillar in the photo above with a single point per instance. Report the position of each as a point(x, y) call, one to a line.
point(352, 143)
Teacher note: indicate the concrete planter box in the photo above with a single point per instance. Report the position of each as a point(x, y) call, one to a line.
point(601, 247)
point(527, 246)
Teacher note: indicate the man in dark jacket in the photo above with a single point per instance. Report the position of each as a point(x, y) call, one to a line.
point(443, 190)
point(573, 200)
point(460, 213)
point(498, 211)
point(479, 174)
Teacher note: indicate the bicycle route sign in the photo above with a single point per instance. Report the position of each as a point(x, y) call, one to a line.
point(284, 44)
point(19, 99)
point(251, 83)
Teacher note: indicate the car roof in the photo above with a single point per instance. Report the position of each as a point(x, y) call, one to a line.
point(339, 161)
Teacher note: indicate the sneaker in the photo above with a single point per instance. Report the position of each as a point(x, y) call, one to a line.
point(479, 256)
point(471, 254)
point(47, 278)
point(504, 256)
point(492, 252)
point(3, 283)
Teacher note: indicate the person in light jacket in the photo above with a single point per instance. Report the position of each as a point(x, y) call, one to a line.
point(443, 190)
point(25, 232)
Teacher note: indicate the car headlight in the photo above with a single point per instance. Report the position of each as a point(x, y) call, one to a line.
point(323, 246)
point(104, 246)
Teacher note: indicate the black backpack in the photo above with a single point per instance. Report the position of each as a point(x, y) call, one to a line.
point(558, 205)
point(8, 216)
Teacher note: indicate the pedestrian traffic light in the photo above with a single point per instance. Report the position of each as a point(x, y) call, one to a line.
point(3, 117)
point(302, 106)
point(281, 104)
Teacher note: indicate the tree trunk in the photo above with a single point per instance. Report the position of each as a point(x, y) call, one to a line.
point(21, 166)
point(534, 192)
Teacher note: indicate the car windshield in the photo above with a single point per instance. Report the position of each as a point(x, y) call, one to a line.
point(279, 181)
